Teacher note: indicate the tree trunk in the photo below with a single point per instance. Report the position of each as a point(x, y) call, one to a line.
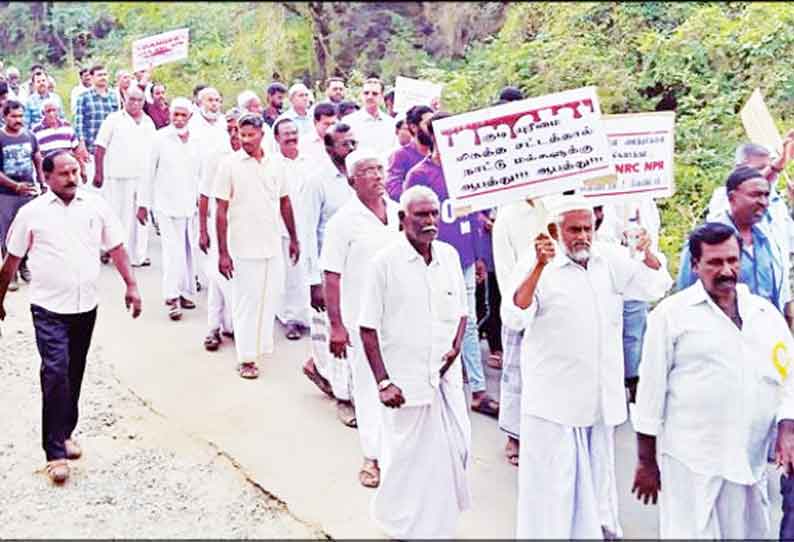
point(321, 38)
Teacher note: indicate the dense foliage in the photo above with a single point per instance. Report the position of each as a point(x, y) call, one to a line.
point(700, 59)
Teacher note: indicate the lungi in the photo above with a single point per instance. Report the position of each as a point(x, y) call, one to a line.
point(121, 195)
point(337, 371)
point(510, 388)
point(257, 285)
point(178, 244)
point(294, 306)
point(366, 399)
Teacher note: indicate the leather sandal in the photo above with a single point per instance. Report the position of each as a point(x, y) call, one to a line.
point(73, 450)
point(310, 370)
point(346, 413)
point(58, 470)
point(249, 370)
point(174, 312)
point(185, 303)
point(369, 475)
point(212, 341)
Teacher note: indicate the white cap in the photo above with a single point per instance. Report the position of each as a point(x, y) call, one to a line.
point(183, 103)
point(559, 204)
point(359, 155)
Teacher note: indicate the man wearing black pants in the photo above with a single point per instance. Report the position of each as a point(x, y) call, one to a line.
point(62, 232)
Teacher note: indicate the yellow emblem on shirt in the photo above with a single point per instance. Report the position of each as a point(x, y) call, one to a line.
point(781, 359)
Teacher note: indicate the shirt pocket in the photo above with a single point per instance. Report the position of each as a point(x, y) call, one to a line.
point(447, 304)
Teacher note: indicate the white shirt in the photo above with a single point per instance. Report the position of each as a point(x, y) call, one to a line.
point(572, 351)
point(375, 133)
point(325, 193)
point(76, 92)
point(616, 221)
point(213, 140)
point(415, 309)
point(63, 243)
point(254, 192)
point(353, 236)
point(127, 145)
point(294, 173)
point(514, 231)
point(711, 390)
point(172, 189)
point(312, 146)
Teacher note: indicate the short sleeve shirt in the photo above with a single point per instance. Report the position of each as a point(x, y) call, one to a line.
point(16, 157)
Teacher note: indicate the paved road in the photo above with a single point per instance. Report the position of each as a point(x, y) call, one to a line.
point(285, 434)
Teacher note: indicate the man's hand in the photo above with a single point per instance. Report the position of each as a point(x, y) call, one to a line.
point(204, 241)
point(142, 215)
point(784, 446)
point(339, 340)
point(544, 248)
point(449, 359)
point(392, 396)
point(294, 251)
point(82, 152)
point(317, 298)
point(133, 299)
point(25, 189)
point(480, 271)
point(647, 482)
point(225, 266)
point(99, 179)
point(2, 311)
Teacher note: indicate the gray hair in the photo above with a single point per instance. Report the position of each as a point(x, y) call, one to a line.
point(746, 150)
point(52, 100)
point(244, 97)
point(203, 93)
point(417, 193)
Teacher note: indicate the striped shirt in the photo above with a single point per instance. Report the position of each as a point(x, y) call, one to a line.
point(53, 139)
point(92, 108)
point(32, 114)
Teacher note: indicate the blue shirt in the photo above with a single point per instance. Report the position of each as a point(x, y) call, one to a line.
point(761, 270)
point(32, 114)
point(92, 109)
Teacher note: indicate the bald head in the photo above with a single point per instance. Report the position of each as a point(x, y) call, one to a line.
point(134, 102)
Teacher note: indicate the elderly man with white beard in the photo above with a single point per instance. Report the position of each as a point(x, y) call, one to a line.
point(567, 296)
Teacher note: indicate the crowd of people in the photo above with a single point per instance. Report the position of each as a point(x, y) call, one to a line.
point(334, 219)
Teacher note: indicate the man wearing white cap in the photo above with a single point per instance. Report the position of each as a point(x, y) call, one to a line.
point(365, 224)
point(298, 112)
point(567, 297)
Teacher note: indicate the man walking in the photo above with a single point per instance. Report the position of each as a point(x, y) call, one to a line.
point(41, 93)
point(412, 319)
point(404, 158)
point(93, 106)
point(275, 100)
point(373, 126)
point(62, 232)
point(299, 111)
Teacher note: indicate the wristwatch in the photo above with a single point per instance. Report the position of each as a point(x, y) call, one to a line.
point(383, 384)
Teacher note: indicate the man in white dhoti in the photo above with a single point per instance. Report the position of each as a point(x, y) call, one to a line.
point(251, 199)
point(516, 226)
point(294, 167)
point(714, 366)
point(412, 321)
point(325, 193)
point(122, 156)
point(366, 223)
point(172, 192)
point(567, 297)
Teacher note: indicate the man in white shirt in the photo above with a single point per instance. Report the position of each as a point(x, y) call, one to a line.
point(567, 296)
point(365, 224)
point(324, 194)
point(122, 157)
point(373, 127)
point(714, 370)
point(171, 192)
point(83, 86)
point(412, 320)
point(516, 226)
point(312, 145)
point(61, 232)
point(250, 198)
point(298, 112)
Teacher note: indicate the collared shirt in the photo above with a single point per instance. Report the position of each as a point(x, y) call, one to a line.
point(52, 139)
point(62, 242)
point(572, 351)
point(374, 133)
point(173, 179)
point(764, 270)
point(325, 193)
point(353, 237)
point(712, 390)
point(76, 92)
point(312, 146)
point(32, 113)
point(514, 231)
point(127, 144)
point(460, 232)
point(415, 309)
point(294, 173)
point(213, 140)
point(161, 116)
point(254, 194)
point(400, 162)
point(92, 109)
point(305, 123)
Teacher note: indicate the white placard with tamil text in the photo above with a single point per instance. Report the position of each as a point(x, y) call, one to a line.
point(532, 147)
point(410, 92)
point(642, 147)
point(160, 49)
point(759, 124)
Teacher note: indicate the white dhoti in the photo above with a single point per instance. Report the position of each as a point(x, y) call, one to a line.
point(424, 458)
point(510, 388)
point(294, 306)
point(178, 244)
point(566, 481)
point(121, 195)
point(366, 399)
point(200, 258)
point(219, 289)
point(336, 371)
point(694, 505)
point(256, 290)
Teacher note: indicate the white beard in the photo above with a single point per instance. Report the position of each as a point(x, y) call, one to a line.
point(581, 256)
point(209, 114)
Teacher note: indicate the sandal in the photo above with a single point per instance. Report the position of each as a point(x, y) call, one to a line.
point(174, 312)
point(58, 470)
point(487, 406)
point(249, 370)
point(310, 370)
point(186, 303)
point(495, 361)
point(369, 475)
point(511, 452)
point(73, 450)
point(346, 413)
point(293, 332)
point(212, 341)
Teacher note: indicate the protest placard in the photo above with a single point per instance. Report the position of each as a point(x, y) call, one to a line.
point(160, 49)
point(410, 92)
point(642, 147)
point(759, 124)
point(533, 147)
